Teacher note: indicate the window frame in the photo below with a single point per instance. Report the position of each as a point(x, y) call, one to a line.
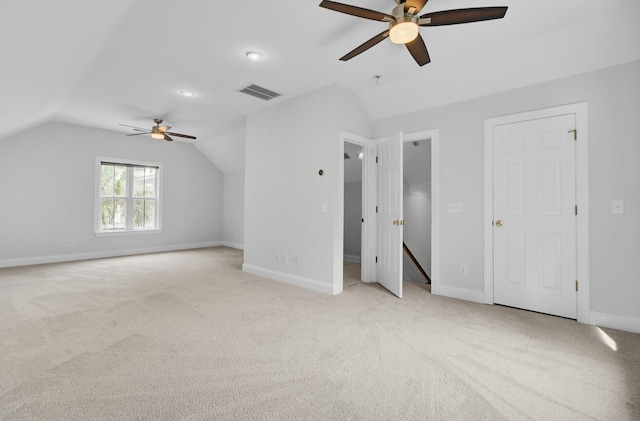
point(129, 198)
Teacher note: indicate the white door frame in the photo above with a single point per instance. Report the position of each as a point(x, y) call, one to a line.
point(582, 197)
point(369, 195)
point(369, 200)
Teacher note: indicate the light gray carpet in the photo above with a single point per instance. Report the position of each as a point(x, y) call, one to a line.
point(187, 335)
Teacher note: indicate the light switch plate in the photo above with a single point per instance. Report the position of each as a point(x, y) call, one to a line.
point(324, 207)
point(617, 206)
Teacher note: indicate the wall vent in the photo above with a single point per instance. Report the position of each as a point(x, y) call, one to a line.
point(259, 92)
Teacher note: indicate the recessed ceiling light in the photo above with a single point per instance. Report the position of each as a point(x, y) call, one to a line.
point(187, 93)
point(254, 55)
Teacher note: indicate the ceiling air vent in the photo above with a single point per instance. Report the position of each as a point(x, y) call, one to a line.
point(259, 92)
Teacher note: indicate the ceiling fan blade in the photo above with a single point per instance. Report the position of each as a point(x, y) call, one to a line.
point(456, 16)
point(180, 135)
point(138, 134)
point(356, 11)
point(167, 138)
point(364, 47)
point(418, 50)
point(164, 128)
point(138, 128)
point(418, 5)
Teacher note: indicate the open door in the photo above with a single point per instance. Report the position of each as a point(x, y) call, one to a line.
point(390, 222)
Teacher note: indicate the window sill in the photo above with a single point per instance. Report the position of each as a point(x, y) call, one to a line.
point(126, 232)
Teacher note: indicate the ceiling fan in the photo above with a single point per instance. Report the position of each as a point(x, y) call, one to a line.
point(157, 131)
point(404, 23)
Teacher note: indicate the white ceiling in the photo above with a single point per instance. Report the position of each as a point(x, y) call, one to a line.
point(100, 63)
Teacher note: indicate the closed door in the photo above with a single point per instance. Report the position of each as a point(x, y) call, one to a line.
point(535, 215)
point(389, 267)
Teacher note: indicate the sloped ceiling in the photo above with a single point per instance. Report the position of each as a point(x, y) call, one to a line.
point(46, 47)
point(99, 63)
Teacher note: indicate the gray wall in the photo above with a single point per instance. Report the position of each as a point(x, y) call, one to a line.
point(47, 187)
point(613, 97)
point(287, 144)
point(233, 209)
point(352, 221)
point(417, 233)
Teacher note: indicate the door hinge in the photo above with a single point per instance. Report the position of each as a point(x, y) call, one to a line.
point(576, 210)
point(376, 259)
point(576, 285)
point(362, 219)
point(376, 159)
point(376, 209)
point(575, 133)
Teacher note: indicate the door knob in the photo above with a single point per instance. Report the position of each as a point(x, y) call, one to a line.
point(499, 223)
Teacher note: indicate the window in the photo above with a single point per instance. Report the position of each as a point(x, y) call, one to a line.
point(127, 196)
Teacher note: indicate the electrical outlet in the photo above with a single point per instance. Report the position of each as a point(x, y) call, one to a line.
point(284, 258)
point(454, 207)
point(71, 243)
point(463, 270)
point(277, 257)
point(295, 261)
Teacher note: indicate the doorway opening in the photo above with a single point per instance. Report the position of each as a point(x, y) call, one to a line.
point(417, 212)
point(353, 219)
point(370, 219)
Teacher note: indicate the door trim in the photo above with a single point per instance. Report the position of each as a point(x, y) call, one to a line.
point(367, 250)
point(369, 199)
point(434, 136)
point(582, 198)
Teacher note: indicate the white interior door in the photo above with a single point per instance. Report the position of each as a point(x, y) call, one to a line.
point(535, 215)
point(389, 268)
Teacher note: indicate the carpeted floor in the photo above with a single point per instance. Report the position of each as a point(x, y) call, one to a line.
point(187, 335)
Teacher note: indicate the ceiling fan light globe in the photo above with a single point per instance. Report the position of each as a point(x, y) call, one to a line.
point(157, 135)
point(403, 32)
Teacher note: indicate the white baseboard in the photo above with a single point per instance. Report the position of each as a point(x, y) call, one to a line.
point(351, 258)
point(40, 260)
point(290, 279)
point(614, 321)
point(459, 293)
point(233, 245)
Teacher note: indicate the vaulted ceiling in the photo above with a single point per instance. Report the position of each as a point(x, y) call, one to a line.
point(100, 63)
